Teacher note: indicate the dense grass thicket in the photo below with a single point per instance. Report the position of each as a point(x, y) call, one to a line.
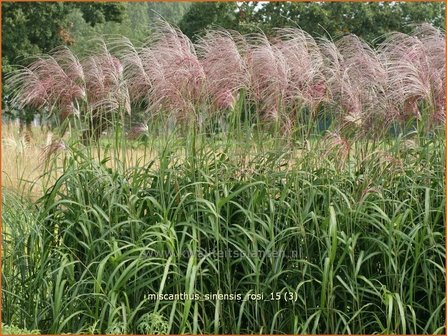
point(360, 243)
point(302, 180)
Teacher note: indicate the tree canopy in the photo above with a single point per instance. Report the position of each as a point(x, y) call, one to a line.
point(35, 27)
point(368, 20)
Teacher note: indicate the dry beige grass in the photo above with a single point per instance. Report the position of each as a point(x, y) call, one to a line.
point(25, 171)
point(24, 168)
point(21, 166)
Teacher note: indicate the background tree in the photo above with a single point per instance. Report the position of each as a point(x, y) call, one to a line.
point(135, 24)
point(31, 28)
point(202, 15)
point(368, 20)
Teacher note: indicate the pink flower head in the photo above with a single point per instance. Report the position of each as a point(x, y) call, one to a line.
point(225, 100)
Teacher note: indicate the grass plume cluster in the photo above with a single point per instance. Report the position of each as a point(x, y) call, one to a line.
point(290, 78)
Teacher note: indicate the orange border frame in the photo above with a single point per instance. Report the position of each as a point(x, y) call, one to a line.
point(445, 176)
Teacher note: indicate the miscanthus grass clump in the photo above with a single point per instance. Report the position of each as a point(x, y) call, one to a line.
point(302, 178)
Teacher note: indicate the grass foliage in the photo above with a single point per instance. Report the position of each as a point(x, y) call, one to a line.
point(359, 241)
point(13, 330)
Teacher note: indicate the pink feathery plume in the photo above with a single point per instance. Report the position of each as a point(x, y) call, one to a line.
point(357, 81)
point(268, 74)
point(138, 130)
point(106, 89)
point(140, 68)
point(415, 65)
point(337, 144)
point(434, 43)
point(54, 81)
point(403, 57)
point(304, 63)
point(178, 80)
point(52, 148)
point(221, 56)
